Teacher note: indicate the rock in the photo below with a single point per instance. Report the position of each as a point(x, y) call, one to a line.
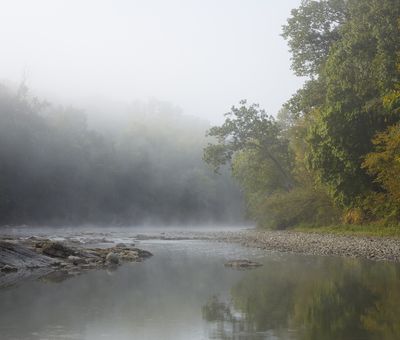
point(19, 256)
point(76, 260)
point(90, 266)
point(8, 269)
point(57, 249)
point(143, 254)
point(242, 264)
point(37, 258)
point(129, 256)
point(120, 245)
point(112, 258)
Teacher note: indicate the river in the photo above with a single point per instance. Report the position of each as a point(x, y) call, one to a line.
point(185, 292)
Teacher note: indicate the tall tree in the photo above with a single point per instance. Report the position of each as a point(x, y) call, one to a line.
point(248, 128)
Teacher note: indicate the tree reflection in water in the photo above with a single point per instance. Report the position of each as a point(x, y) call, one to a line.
point(311, 298)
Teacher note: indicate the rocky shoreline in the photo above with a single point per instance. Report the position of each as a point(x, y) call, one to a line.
point(36, 257)
point(371, 248)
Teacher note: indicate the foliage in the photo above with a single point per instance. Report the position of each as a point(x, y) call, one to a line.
point(275, 208)
point(384, 164)
point(311, 31)
point(249, 128)
point(358, 72)
point(302, 205)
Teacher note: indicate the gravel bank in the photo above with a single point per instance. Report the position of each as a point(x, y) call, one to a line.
point(372, 248)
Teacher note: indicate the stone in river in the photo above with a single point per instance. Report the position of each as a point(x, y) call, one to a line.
point(112, 258)
point(242, 264)
point(57, 249)
point(76, 260)
point(8, 269)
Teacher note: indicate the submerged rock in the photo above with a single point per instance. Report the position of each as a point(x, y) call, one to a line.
point(242, 264)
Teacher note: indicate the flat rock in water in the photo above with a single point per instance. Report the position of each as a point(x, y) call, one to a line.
point(17, 256)
point(242, 264)
point(17, 263)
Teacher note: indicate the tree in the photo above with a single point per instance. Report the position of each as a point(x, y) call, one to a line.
point(349, 48)
point(249, 129)
point(383, 163)
point(311, 31)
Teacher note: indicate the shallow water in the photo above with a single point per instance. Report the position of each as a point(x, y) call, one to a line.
point(185, 292)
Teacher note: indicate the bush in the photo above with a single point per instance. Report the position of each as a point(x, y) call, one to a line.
point(300, 206)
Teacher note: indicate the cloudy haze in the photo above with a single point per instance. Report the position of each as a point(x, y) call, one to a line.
point(201, 55)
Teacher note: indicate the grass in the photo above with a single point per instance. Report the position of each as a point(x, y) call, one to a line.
point(377, 230)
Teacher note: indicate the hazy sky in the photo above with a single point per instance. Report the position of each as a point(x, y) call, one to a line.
point(203, 55)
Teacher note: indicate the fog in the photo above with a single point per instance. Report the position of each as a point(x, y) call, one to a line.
point(105, 105)
point(201, 55)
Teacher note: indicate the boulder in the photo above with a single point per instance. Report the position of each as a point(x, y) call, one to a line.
point(242, 264)
point(57, 249)
point(112, 258)
point(76, 260)
point(8, 269)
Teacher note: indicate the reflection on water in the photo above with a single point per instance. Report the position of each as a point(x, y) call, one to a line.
point(185, 292)
point(311, 298)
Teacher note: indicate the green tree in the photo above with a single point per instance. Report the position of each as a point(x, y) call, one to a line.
point(354, 72)
point(248, 128)
point(311, 31)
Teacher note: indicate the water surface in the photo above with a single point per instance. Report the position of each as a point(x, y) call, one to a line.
point(185, 292)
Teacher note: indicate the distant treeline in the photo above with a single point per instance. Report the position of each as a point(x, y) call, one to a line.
point(54, 169)
point(332, 155)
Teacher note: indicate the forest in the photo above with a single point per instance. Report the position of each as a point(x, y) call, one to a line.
point(332, 153)
point(56, 169)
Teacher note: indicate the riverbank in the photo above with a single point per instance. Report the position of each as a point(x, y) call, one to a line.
point(367, 230)
point(324, 244)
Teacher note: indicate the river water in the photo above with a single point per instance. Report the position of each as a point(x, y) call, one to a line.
point(185, 292)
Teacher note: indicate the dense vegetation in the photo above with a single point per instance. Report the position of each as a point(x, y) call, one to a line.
point(332, 154)
point(55, 169)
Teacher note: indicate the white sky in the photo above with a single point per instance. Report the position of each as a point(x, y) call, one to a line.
point(203, 55)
